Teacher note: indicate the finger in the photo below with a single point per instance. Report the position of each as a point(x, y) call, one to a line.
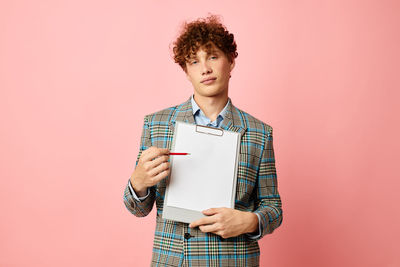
point(163, 151)
point(222, 234)
point(160, 176)
point(209, 228)
point(153, 152)
point(160, 152)
point(160, 168)
point(148, 150)
point(211, 211)
point(203, 221)
point(148, 154)
point(156, 162)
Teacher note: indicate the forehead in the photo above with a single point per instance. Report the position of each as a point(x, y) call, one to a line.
point(209, 48)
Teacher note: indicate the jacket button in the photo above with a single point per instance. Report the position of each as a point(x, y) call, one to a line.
point(187, 236)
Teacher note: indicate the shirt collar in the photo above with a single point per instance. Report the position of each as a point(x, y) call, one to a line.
point(196, 108)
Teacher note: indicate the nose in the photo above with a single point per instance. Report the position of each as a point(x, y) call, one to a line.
point(205, 68)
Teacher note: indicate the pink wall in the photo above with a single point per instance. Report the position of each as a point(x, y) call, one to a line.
point(77, 77)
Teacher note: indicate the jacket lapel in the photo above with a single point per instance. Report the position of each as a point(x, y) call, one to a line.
point(231, 122)
point(183, 113)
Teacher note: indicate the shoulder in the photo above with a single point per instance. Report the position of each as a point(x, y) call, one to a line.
point(251, 123)
point(163, 116)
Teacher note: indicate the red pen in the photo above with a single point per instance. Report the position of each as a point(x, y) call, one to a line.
point(176, 153)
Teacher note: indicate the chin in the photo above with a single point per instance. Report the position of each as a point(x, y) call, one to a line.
point(210, 91)
point(215, 95)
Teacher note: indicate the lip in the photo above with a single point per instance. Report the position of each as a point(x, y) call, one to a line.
point(209, 80)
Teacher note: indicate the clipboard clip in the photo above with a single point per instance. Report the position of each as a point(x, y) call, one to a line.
point(209, 130)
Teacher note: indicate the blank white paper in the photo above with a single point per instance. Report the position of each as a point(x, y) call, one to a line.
point(205, 178)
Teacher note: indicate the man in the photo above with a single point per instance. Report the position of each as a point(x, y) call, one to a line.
point(206, 51)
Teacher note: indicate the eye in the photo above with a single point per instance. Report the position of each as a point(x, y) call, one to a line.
point(214, 57)
point(193, 62)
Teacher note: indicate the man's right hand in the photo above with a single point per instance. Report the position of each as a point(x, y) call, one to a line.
point(152, 167)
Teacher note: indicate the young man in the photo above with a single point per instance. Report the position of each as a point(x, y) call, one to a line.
point(206, 51)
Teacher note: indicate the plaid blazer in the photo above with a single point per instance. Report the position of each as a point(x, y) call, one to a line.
point(175, 244)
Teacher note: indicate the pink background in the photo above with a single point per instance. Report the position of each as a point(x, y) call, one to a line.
point(77, 77)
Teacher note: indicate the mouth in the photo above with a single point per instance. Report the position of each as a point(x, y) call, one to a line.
point(208, 80)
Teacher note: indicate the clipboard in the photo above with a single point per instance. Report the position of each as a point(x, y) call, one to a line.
point(204, 179)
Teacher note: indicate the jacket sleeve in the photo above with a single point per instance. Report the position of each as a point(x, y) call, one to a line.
point(140, 208)
point(268, 201)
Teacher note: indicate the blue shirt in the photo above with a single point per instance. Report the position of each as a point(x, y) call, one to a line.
point(201, 119)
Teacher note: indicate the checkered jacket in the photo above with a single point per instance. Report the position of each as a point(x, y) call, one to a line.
point(175, 244)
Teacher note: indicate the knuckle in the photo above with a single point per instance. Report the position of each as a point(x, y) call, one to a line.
point(146, 167)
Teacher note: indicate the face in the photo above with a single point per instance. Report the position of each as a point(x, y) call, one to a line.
point(209, 72)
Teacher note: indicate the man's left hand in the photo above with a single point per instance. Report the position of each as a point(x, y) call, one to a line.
point(227, 222)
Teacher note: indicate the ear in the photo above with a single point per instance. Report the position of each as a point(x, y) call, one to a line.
point(232, 64)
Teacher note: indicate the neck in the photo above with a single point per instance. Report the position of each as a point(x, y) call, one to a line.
point(211, 106)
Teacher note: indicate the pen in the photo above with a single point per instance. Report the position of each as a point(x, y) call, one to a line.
point(176, 153)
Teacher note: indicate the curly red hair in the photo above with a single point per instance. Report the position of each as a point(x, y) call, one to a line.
point(203, 33)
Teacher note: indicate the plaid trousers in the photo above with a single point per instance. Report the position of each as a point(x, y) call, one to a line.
point(175, 244)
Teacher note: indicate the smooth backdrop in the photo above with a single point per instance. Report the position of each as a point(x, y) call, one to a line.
point(77, 78)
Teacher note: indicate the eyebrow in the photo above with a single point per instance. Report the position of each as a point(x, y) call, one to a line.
point(214, 51)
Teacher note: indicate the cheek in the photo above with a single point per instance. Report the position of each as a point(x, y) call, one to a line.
point(191, 77)
point(225, 70)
